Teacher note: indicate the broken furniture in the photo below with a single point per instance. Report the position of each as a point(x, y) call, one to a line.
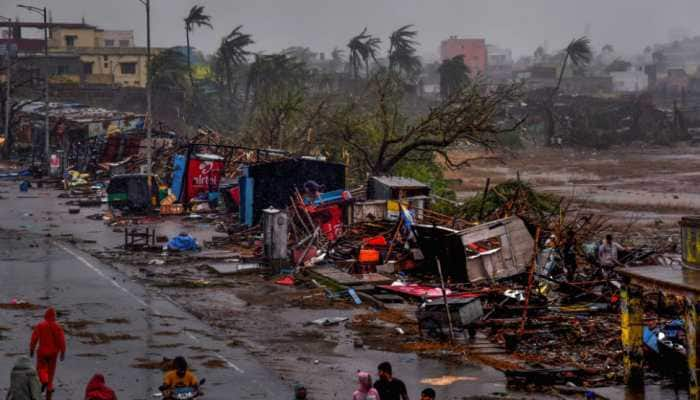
point(138, 237)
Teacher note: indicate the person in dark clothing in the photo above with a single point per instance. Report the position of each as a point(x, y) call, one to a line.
point(388, 387)
point(427, 394)
point(299, 392)
point(569, 255)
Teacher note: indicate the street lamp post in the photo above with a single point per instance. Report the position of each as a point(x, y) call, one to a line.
point(42, 12)
point(149, 116)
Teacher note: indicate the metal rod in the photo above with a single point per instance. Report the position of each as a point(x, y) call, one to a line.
point(444, 298)
point(530, 282)
point(149, 111)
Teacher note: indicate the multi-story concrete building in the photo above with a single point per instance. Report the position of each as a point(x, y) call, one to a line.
point(473, 51)
point(107, 57)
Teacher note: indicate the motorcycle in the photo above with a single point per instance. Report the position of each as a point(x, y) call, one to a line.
point(182, 393)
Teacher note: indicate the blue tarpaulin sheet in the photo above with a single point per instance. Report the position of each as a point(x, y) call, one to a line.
point(183, 243)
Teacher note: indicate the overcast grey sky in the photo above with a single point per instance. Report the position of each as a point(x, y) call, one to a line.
point(521, 25)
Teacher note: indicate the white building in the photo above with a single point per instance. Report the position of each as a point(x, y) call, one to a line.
point(630, 81)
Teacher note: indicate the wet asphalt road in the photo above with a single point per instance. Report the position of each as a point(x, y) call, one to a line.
point(46, 271)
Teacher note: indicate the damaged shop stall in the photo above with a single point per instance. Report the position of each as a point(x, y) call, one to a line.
point(279, 183)
point(208, 172)
point(89, 136)
point(494, 250)
point(384, 197)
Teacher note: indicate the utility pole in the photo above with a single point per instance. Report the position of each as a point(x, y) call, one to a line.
point(47, 131)
point(8, 84)
point(149, 111)
point(42, 12)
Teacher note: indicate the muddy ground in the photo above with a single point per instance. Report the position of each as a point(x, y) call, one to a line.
point(645, 188)
point(649, 185)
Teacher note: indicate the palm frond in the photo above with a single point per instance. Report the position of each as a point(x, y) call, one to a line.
point(579, 51)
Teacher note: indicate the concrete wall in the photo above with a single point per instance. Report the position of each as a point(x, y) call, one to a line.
point(111, 64)
point(85, 37)
point(117, 39)
point(472, 50)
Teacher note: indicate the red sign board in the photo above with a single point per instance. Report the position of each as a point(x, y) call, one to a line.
point(203, 174)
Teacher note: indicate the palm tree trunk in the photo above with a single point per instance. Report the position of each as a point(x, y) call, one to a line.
point(561, 74)
point(189, 56)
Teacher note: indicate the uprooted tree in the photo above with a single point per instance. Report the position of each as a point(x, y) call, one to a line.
point(380, 129)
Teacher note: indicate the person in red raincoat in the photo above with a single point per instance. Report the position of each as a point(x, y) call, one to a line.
point(98, 390)
point(49, 337)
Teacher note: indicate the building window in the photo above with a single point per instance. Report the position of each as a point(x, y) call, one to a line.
point(62, 70)
point(123, 43)
point(70, 40)
point(87, 68)
point(128, 68)
point(105, 65)
point(109, 43)
point(105, 58)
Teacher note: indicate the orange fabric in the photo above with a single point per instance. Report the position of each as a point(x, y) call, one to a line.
point(172, 380)
point(46, 369)
point(48, 334)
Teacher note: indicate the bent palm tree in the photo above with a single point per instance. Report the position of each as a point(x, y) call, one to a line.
point(402, 50)
point(362, 47)
point(580, 54)
point(372, 46)
point(196, 17)
point(358, 51)
point(233, 53)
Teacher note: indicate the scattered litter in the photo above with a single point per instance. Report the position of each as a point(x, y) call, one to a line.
point(286, 281)
point(328, 321)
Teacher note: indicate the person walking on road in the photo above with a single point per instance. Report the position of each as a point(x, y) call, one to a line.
point(389, 388)
point(49, 337)
point(365, 391)
point(427, 394)
point(97, 389)
point(24, 384)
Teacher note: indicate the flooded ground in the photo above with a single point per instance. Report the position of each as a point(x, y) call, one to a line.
point(641, 183)
point(651, 187)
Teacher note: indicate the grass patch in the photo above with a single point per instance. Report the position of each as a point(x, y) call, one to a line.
point(91, 355)
point(101, 338)
point(165, 345)
point(117, 321)
point(165, 364)
point(19, 306)
point(166, 333)
point(215, 364)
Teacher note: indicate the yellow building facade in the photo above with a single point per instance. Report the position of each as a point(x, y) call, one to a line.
point(108, 57)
